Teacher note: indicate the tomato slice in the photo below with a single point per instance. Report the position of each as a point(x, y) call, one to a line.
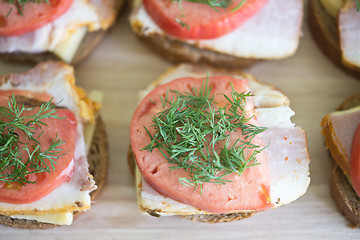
point(45, 182)
point(203, 21)
point(250, 191)
point(34, 16)
point(355, 161)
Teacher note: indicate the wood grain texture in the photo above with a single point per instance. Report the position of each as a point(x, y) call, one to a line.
point(121, 66)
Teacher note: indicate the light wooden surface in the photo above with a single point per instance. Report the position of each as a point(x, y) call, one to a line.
point(121, 66)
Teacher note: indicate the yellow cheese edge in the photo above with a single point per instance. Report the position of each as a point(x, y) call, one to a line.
point(67, 49)
point(95, 96)
point(54, 218)
point(333, 6)
point(66, 218)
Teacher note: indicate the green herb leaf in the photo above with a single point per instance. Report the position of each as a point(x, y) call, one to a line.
point(20, 4)
point(13, 168)
point(214, 4)
point(190, 130)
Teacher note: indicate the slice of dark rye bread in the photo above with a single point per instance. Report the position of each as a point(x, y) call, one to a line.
point(325, 32)
point(342, 191)
point(88, 44)
point(178, 51)
point(98, 165)
point(206, 218)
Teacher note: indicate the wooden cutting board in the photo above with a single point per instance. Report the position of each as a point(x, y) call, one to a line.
point(121, 66)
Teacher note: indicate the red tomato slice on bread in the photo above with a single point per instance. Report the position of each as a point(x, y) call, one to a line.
point(249, 191)
point(200, 21)
point(45, 182)
point(32, 16)
point(355, 161)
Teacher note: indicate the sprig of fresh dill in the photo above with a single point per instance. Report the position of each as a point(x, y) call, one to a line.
point(13, 123)
point(194, 135)
point(214, 4)
point(20, 4)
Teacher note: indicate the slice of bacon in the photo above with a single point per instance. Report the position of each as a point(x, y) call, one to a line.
point(338, 131)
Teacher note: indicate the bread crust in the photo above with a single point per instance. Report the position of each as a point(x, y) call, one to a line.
point(88, 44)
point(346, 199)
point(98, 165)
point(178, 51)
point(325, 32)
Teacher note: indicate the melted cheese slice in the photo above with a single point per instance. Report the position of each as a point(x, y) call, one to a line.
point(333, 6)
point(54, 218)
point(66, 49)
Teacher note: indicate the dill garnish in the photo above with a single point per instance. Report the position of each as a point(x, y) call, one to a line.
point(214, 4)
point(20, 4)
point(13, 123)
point(194, 135)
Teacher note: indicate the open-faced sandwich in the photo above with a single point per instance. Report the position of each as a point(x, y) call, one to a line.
point(226, 33)
point(53, 147)
point(334, 25)
point(342, 136)
point(215, 146)
point(53, 29)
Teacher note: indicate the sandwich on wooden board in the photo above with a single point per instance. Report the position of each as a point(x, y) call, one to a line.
point(215, 146)
point(67, 30)
point(341, 132)
point(334, 25)
point(54, 148)
point(229, 34)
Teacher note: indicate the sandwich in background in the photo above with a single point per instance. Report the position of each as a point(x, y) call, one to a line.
point(232, 34)
point(342, 137)
point(66, 30)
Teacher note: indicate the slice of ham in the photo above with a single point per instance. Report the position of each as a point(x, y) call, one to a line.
point(338, 130)
point(349, 32)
